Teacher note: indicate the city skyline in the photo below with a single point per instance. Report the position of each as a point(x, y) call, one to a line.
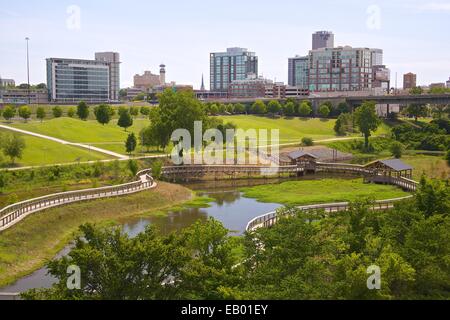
point(183, 39)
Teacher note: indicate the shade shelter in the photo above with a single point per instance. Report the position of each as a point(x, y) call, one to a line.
point(391, 168)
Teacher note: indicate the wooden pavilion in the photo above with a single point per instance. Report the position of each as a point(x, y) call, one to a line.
point(394, 168)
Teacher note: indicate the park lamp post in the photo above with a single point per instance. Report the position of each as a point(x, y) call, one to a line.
point(28, 70)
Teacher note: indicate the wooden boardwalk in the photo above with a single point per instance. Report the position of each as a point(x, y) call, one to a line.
point(14, 213)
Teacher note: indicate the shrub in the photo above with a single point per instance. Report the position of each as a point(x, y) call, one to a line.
point(397, 149)
point(308, 142)
point(57, 112)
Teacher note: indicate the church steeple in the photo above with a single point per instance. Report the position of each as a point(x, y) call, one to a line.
point(202, 88)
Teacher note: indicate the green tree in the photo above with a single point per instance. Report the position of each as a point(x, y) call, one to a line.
point(416, 91)
point(344, 124)
point(157, 169)
point(145, 111)
point(40, 113)
point(71, 112)
point(230, 108)
point(123, 93)
point(447, 157)
point(367, 120)
point(397, 149)
point(25, 113)
point(304, 110)
point(147, 137)
point(125, 120)
point(433, 197)
point(416, 110)
point(134, 111)
point(239, 108)
point(289, 109)
point(343, 107)
point(324, 111)
point(103, 113)
point(259, 107)
point(9, 112)
point(131, 143)
point(13, 146)
point(57, 112)
point(133, 167)
point(83, 111)
point(274, 107)
point(214, 109)
point(176, 110)
point(307, 142)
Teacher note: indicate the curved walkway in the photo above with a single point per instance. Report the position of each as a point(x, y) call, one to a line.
point(14, 213)
point(81, 145)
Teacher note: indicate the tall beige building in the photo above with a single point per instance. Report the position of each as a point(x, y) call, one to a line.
point(147, 81)
point(409, 81)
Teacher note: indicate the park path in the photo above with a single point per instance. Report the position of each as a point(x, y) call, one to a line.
point(81, 145)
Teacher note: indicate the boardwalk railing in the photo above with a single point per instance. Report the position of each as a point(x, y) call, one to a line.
point(9, 296)
point(269, 219)
point(14, 213)
point(401, 182)
point(228, 169)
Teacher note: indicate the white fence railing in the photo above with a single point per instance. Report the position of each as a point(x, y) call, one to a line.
point(269, 219)
point(14, 213)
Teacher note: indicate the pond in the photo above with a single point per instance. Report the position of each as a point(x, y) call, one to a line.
point(229, 207)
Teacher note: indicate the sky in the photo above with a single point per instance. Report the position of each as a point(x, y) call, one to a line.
point(414, 34)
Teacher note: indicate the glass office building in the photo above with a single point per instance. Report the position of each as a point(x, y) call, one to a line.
point(73, 80)
point(235, 64)
point(341, 69)
point(299, 72)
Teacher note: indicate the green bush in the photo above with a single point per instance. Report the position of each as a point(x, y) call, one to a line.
point(308, 142)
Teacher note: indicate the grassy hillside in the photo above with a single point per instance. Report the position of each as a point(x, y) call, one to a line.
point(25, 247)
point(109, 137)
point(292, 129)
point(41, 151)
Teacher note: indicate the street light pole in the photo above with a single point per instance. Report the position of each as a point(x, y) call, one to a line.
point(28, 70)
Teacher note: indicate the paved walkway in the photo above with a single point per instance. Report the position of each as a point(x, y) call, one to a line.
point(81, 145)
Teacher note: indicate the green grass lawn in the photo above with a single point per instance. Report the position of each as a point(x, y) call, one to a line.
point(297, 193)
point(292, 129)
point(110, 137)
point(41, 151)
point(432, 166)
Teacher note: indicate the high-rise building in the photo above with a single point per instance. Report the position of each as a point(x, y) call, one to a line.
point(73, 80)
point(377, 57)
point(381, 77)
point(113, 58)
point(340, 69)
point(299, 72)
point(322, 39)
point(146, 81)
point(409, 81)
point(234, 64)
point(448, 83)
